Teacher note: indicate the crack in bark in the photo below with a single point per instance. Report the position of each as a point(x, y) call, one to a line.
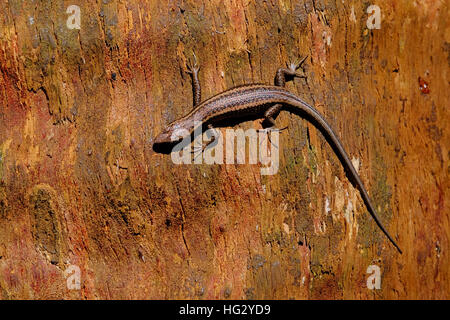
point(183, 217)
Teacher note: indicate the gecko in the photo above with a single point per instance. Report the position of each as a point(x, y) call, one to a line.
point(265, 102)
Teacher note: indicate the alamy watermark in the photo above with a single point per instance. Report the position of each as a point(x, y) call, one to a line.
point(73, 275)
point(74, 20)
point(235, 151)
point(374, 19)
point(374, 280)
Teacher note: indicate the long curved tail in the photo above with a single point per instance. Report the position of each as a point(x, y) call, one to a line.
point(317, 119)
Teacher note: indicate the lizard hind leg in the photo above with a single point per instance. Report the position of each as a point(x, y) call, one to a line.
point(193, 68)
point(268, 123)
point(270, 115)
point(281, 76)
point(284, 74)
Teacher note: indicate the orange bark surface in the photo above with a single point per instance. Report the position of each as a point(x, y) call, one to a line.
point(81, 186)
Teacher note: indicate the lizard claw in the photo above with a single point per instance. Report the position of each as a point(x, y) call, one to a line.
point(268, 131)
point(192, 66)
point(293, 66)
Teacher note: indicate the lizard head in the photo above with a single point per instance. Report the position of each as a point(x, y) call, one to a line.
point(174, 133)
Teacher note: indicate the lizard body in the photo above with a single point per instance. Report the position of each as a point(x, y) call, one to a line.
point(263, 101)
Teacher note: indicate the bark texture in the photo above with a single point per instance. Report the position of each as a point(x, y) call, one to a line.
point(80, 184)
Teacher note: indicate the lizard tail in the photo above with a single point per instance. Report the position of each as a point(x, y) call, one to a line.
point(316, 118)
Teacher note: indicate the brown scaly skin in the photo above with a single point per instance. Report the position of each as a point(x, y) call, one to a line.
point(263, 101)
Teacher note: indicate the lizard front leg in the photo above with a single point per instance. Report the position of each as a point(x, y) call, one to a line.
point(193, 68)
point(198, 150)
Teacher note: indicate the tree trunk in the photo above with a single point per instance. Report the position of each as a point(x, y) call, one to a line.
point(84, 196)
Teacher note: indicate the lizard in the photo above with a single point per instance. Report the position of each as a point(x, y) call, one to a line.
point(260, 101)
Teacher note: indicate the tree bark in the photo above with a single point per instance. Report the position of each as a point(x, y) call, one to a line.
point(81, 186)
